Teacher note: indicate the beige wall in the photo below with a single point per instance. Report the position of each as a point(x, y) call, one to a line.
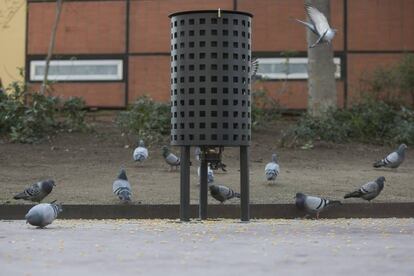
point(12, 34)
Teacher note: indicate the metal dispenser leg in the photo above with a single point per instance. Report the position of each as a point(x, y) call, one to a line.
point(185, 184)
point(203, 189)
point(244, 183)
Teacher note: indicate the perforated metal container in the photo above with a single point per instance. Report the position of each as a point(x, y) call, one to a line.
point(210, 78)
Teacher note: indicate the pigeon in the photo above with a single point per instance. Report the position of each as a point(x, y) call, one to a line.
point(197, 153)
point(369, 190)
point(272, 169)
point(319, 25)
point(170, 158)
point(121, 187)
point(394, 159)
point(141, 152)
point(255, 67)
point(313, 204)
point(37, 192)
point(222, 193)
point(210, 174)
point(43, 214)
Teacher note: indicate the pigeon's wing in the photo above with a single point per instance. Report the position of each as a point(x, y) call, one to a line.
point(172, 160)
point(318, 19)
point(254, 67)
point(314, 203)
point(392, 158)
point(370, 187)
point(119, 185)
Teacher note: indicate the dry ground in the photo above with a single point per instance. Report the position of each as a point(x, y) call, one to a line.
point(85, 165)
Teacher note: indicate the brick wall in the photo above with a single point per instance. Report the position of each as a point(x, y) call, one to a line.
point(378, 31)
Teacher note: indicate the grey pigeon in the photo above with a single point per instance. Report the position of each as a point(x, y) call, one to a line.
point(37, 191)
point(170, 158)
point(254, 67)
point(369, 190)
point(318, 25)
point(272, 169)
point(197, 153)
point(43, 214)
point(222, 193)
point(210, 174)
point(313, 204)
point(141, 152)
point(122, 188)
point(394, 159)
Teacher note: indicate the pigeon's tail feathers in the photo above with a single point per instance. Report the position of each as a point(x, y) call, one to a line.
point(357, 193)
point(237, 195)
point(139, 157)
point(334, 202)
point(379, 164)
point(21, 195)
point(271, 174)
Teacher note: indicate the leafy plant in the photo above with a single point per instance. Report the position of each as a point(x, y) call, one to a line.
point(27, 117)
point(264, 108)
point(369, 121)
point(146, 119)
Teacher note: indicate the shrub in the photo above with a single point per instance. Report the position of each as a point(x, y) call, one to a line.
point(29, 117)
point(264, 108)
point(369, 122)
point(146, 119)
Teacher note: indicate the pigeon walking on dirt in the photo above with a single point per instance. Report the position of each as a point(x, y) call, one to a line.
point(122, 188)
point(318, 25)
point(369, 190)
point(170, 158)
point(313, 204)
point(37, 192)
point(222, 193)
point(43, 214)
point(210, 174)
point(272, 169)
point(394, 159)
point(141, 152)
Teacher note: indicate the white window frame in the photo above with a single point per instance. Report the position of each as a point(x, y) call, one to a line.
point(292, 60)
point(98, 77)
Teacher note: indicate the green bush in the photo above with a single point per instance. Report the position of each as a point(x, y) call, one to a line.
point(393, 84)
point(146, 119)
point(29, 117)
point(264, 108)
point(369, 122)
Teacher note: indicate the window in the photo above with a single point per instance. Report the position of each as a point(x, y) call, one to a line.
point(292, 68)
point(77, 70)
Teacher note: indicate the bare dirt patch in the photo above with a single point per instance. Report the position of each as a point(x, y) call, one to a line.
point(84, 166)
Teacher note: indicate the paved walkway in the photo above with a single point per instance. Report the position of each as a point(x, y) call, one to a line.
point(227, 247)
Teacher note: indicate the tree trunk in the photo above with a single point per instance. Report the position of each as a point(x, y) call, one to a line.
point(59, 4)
point(321, 69)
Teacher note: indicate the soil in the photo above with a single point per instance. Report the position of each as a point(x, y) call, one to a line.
point(84, 166)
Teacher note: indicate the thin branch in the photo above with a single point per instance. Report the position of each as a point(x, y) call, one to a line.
point(59, 4)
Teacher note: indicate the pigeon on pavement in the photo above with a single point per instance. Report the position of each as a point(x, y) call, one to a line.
point(43, 214)
point(222, 193)
point(141, 152)
point(313, 204)
point(318, 25)
point(36, 192)
point(121, 187)
point(272, 169)
point(170, 158)
point(369, 190)
point(394, 159)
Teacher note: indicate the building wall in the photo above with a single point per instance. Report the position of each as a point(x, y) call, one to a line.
point(12, 34)
point(371, 33)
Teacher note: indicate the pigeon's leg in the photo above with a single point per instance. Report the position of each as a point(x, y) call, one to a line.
point(317, 215)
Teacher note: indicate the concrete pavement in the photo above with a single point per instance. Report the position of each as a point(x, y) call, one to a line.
point(221, 247)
